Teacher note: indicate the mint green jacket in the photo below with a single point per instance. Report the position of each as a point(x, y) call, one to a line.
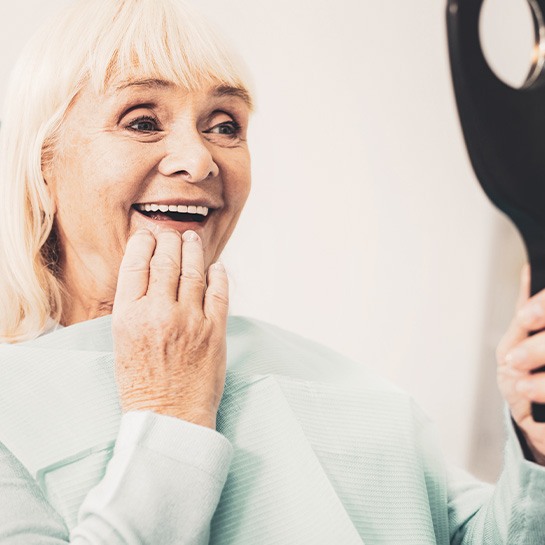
point(310, 448)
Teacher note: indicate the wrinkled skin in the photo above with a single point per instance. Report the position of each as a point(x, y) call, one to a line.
point(150, 142)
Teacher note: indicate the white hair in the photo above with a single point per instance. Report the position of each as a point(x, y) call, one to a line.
point(93, 42)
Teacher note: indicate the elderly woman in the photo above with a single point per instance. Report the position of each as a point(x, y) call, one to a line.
point(124, 167)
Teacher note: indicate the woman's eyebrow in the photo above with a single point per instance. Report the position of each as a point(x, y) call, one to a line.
point(238, 92)
point(147, 82)
point(219, 91)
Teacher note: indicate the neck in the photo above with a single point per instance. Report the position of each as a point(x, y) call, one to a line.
point(89, 292)
point(81, 311)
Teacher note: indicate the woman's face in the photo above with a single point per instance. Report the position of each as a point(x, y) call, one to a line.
point(144, 145)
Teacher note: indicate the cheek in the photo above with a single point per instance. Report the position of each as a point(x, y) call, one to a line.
point(237, 182)
point(100, 180)
point(94, 193)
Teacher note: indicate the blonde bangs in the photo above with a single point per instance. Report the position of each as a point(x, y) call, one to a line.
point(165, 41)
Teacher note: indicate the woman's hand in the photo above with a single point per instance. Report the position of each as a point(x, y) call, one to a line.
point(518, 353)
point(169, 329)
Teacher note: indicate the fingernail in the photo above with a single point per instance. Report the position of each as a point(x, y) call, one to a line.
point(143, 232)
point(190, 236)
point(516, 356)
point(525, 387)
point(218, 266)
point(530, 313)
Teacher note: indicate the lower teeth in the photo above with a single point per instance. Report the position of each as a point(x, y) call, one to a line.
point(175, 216)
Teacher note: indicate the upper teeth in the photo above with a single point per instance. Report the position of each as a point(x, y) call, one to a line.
point(181, 208)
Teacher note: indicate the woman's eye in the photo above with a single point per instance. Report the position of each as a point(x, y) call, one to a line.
point(227, 128)
point(144, 124)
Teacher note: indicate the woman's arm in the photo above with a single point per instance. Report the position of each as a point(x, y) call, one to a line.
point(162, 485)
point(512, 513)
point(169, 466)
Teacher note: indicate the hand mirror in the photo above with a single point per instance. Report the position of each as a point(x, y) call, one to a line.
point(504, 131)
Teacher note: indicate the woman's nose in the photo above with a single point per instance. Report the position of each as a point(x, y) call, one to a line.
point(189, 158)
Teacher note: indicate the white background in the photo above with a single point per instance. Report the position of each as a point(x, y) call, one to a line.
point(366, 229)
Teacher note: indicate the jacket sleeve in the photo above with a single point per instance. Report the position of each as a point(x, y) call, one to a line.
point(162, 485)
point(511, 513)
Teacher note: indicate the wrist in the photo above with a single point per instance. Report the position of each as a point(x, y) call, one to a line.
point(201, 418)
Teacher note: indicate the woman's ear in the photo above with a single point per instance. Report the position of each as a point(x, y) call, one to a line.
point(48, 161)
point(50, 204)
point(48, 176)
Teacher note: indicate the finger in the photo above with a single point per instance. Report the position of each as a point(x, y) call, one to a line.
point(532, 387)
point(192, 280)
point(165, 266)
point(133, 278)
point(518, 329)
point(531, 314)
point(528, 354)
point(514, 335)
point(216, 298)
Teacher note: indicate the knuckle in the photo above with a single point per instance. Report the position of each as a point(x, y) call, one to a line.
point(168, 328)
point(135, 263)
point(193, 326)
point(217, 338)
point(159, 329)
point(159, 315)
point(192, 273)
point(500, 354)
point(218, 298)
point(163, 261)
point(503, 375)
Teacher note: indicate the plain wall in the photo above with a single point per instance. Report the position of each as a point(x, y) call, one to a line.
point(366, 229)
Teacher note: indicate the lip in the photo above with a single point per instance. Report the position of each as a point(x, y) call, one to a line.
point(180, 226)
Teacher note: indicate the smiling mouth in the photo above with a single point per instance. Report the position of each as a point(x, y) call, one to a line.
point(179, 213)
